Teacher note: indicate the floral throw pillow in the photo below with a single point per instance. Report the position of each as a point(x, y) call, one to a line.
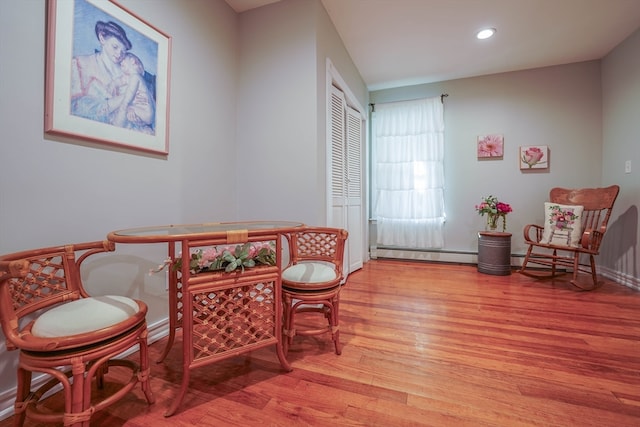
point(562, 224)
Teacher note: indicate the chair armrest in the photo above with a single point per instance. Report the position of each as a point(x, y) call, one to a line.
point(91, 248)
point(15, 268)
point(537, 233)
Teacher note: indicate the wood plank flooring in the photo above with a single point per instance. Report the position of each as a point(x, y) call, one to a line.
point(426, 344)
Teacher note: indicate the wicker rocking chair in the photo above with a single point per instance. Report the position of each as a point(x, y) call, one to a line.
point(67, 335)
point(596, 205)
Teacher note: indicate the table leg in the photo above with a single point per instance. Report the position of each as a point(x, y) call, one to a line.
point(173, 305)
point(179, 397)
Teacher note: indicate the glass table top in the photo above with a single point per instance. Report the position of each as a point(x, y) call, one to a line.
point(175, 232)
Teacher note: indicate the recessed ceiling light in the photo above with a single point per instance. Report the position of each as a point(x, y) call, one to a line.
point(486, 33)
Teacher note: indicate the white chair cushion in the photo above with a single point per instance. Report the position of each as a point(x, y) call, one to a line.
point(84, 315)
point(309, 272)
point(562, 224)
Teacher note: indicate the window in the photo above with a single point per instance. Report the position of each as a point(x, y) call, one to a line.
point(408, 173)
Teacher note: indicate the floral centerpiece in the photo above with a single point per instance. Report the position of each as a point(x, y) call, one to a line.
point(494, 210)
point(227, 258)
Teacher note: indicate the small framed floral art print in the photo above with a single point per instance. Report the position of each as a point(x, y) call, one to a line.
point(490, 146)
point(534, 157)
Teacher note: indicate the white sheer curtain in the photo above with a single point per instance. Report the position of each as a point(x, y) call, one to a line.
point(408, 173)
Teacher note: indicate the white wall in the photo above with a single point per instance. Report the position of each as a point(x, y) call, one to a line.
point(621, 135)
point(282, 109)
point(277, 116)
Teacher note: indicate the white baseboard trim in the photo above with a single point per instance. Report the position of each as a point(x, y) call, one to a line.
point(619, 277)
point(421, 255)
point(157, 331)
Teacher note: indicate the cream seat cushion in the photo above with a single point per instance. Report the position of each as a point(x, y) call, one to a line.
point(309, 272)
point(562, 224)
point(84, 315)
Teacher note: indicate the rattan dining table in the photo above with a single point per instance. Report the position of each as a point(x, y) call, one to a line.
point(221, 314)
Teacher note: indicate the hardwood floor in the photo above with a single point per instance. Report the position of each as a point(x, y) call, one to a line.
point(426, 345)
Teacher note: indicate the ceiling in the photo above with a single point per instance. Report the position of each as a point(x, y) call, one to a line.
point(404, 42)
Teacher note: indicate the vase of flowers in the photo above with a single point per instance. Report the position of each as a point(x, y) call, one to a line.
point(495, 210)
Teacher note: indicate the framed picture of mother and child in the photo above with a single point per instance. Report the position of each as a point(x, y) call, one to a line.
point(107, 76)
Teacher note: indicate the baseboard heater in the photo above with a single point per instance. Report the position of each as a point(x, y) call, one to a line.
point(436, 255)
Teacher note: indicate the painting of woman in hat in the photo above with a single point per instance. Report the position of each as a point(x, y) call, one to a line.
point(98, 81)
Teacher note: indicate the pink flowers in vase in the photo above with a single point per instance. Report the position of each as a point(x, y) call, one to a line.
point(494, 210)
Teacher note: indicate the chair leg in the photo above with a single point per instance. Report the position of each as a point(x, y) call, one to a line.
point(594, 277)
point(80, 389)
point(329, 306)
point(145, 370)
point(22, 396)
point(532, 256)
point(287, 320)
point(526, 259)
point(335, 326)
point(100, 373)
point(553, 266)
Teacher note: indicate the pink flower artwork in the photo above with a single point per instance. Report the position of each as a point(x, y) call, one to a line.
point(490, 146)
point(534, 157)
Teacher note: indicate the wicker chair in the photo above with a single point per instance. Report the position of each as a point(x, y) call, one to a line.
point(64, 333)
point(597, 204)
point(312, 280)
